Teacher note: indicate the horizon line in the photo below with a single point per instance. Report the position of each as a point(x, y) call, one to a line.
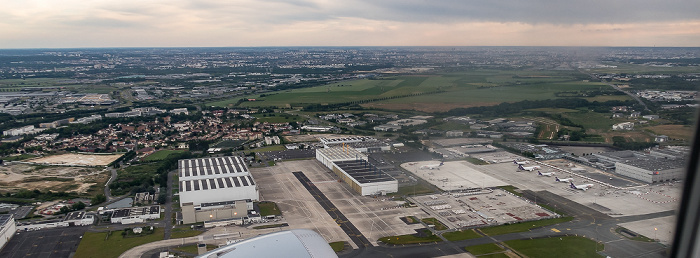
point(321, 46)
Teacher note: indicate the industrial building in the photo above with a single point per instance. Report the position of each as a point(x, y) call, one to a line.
point(353, 167)
point(77, 218)
point(215, 189)
point(360, 143)
point(135, 214)
point(7, 228)
point(657, 166)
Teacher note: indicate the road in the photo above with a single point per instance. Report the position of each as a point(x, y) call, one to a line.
point(169, 205)
point(108, 192)
point(635, 97)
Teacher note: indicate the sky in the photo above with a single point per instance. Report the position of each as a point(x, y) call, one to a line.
point(245, 23)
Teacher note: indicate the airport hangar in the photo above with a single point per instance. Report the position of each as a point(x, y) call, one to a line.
point(219, 188)
point(353, 167)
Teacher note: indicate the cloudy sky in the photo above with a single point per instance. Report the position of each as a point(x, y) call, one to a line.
point(221, 23)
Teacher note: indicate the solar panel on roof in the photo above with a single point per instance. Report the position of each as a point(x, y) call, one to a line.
point(235, 181)
point(188, 187)
point(251, 180)
point(244, 181)
point(195, 183)
point(221, 182)
point(212, 183)
point(204, 184)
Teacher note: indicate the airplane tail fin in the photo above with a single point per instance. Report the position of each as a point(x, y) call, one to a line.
point(572, 185)
point(442, 163)
point(539, 173)
point(520, 167)
point(556, 179)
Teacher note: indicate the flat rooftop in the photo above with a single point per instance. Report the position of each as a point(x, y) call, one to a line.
point(136, 211)
point(215, 183)
point(341, 153)
point(363, 171)
point(4, 218)
point(655, 164)
point(211, 166)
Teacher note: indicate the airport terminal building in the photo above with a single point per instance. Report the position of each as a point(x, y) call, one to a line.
point(352, 167)
point(217, 188)
point(653, 167)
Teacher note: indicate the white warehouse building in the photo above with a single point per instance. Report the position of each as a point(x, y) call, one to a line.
point(353, 168)
point(7, 228)
point(223, 184)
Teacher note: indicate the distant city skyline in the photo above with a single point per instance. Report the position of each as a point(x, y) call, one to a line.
point(246, 23)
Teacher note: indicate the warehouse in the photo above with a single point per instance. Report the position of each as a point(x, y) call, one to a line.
point(215, 188)
point(7, 228)
point(135, 214)
point(352, 167)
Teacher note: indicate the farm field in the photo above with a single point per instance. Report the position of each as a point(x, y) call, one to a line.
point(673, 131)
point(463, 89)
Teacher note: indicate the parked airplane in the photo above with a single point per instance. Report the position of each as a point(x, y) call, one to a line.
point(564, 180)
point(524, 162)
point(545, 174)
point(436, 166)
point(528, 168)
point(581, 187)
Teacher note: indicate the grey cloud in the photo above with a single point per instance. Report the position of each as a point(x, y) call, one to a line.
point(530, 11)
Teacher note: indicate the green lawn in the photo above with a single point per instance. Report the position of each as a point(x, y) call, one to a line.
point(567, 246)
point(269, 208)
point(461, 235)
point(409, 239)
point(522, 226)
point(337, 246)
point(434, 221)
point(95, 245)
point(193, 248)
point(483, 249)
point(161, 155)
point(592, 120)
point(413, 189)
point(184, 232)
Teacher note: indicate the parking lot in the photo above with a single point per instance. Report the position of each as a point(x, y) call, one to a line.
point(59, 242)
point(479, 208)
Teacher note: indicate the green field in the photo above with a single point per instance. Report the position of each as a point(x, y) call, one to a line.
point(433, 221)
point(337, 246)
point(483, 249)
point(409, 239)
point(522, 226)
point(161, 155)
point(184, 232)
point(461, 89)
point(566, 246)
point(223, 103)
point(461, 235)
point(269, 208)
point(97, 245)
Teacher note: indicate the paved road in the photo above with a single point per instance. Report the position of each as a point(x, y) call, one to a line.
point(108, 192)
point(169, 205)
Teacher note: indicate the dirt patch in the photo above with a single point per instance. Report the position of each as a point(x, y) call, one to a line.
point(630, 136)
point(54, 178)
point(427, 107)
point(72, 159)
